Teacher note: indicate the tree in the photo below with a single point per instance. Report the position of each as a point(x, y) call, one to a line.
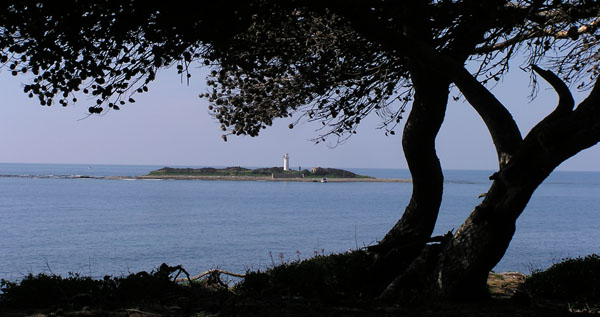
point(337, 62)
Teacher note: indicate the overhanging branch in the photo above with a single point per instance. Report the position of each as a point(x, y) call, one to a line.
point(502, 45)
point(565, 98)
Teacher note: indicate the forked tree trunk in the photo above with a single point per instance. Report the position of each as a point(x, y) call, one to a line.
point(458, 268)
point(482, 240)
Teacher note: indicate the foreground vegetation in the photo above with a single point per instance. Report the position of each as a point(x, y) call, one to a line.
point(259, 172)
point(338, 284)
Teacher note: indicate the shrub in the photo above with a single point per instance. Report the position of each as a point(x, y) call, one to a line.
point(571, 279)
point(49, 290)
point(325, 277)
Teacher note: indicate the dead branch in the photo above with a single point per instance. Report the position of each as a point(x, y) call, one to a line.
point(203, 274)
point(573, 33)
point(182, 270)
point(137, 312)
point(564, 34)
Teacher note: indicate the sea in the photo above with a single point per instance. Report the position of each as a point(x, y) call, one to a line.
point(54, 221)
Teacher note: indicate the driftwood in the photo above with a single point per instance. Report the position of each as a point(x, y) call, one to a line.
point(203, 274)
point(137, 312)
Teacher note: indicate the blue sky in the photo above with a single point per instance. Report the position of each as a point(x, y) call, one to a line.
point(170, 125)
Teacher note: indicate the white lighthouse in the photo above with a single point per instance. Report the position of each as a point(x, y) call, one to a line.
point(286, 162)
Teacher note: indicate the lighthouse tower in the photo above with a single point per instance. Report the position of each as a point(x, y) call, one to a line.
point(286, 162)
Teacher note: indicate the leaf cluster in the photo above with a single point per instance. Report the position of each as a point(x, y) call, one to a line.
point(305, 62)
point(108, 50)
point(323, 61)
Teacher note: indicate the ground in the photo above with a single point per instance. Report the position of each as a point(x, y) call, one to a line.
point(506, 300)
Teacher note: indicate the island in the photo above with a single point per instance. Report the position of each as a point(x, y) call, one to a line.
point(315, 174)
point(236, 173)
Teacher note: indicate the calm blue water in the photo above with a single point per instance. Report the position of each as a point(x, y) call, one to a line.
point(98, 227)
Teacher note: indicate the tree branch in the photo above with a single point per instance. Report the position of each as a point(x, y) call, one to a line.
point(500, 123)
point(573, 32)
point(565, 99)
point(542, 30)
point(502, 45)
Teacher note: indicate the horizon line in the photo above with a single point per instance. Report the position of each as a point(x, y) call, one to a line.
point(257, 166)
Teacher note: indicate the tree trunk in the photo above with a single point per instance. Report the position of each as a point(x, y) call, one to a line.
point(481, 241)
point(403, 243)
point(418, 142)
